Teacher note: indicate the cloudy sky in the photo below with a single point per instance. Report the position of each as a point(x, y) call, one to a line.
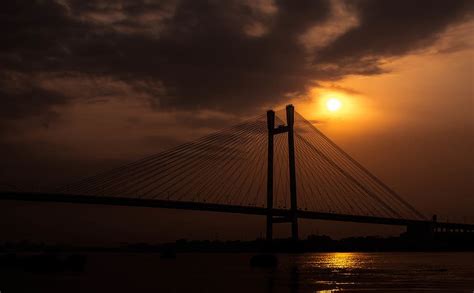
point(89, 85)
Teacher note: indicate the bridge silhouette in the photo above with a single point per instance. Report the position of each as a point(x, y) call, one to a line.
point(277, 165)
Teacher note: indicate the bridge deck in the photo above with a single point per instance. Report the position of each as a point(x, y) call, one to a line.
point(202, 206)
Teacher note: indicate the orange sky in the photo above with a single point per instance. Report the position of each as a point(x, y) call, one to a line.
point(413, 125)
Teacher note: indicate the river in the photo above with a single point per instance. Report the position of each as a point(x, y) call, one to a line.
point(224, 272)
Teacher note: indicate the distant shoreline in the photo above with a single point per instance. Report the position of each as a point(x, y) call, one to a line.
point(313, 243)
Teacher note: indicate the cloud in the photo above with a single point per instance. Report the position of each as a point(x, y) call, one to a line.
point(232, 55)
point(22, 96)
point(393, 28)
point(197, 55)
point(207, 54)
point(342, 18)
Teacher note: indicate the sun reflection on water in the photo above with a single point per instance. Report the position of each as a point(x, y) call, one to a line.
point(331, 272)
point(342, 260)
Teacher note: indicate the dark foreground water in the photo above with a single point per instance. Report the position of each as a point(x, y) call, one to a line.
point(310, 272)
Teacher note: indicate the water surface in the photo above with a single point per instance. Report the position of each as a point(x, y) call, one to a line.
point(219, 272)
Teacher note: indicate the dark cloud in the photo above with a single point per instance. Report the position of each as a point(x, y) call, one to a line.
point(23, 97)
point(392, 28)
point(210, 54)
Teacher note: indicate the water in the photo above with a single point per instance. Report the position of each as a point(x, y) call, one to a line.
point(310, 272)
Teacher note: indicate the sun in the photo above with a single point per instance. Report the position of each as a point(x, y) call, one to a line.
point(333, 104)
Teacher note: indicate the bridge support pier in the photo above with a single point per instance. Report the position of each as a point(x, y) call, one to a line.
point(271, 126)
point(272, 131)
point(290, 120)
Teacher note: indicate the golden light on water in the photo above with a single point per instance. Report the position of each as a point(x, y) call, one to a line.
point(342, 260)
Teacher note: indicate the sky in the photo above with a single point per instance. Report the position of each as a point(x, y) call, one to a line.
point(90, 85)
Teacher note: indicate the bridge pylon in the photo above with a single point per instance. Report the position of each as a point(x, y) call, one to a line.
point(272, 131)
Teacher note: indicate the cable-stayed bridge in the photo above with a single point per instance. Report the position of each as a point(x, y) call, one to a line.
point(278, 165)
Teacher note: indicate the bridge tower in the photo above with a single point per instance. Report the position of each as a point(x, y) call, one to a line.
point(272, 131)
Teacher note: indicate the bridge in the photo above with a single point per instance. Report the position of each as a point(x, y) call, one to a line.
point(277, 165)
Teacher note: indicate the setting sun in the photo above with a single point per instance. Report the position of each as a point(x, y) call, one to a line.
point(333, 104)
point(327, 104)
